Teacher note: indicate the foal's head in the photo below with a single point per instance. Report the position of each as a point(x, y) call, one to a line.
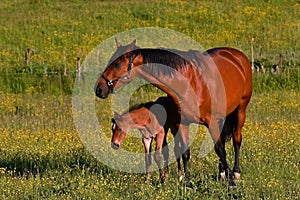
point(118, 135)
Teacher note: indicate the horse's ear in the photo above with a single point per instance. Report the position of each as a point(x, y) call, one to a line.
point(118, 44)
point(132, 46)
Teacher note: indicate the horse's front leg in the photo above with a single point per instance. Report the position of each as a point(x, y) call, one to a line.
point(183, 131)
point(177, 150)
point(147, 146)
point(220, 151)
point(158, 157)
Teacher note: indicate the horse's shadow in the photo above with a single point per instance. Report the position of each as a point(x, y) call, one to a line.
point(21, 165)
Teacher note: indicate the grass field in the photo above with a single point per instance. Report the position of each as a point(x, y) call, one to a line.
point(41, 153)
point(43, 157)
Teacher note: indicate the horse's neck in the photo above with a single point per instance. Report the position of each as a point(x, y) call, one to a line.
point(182, 82)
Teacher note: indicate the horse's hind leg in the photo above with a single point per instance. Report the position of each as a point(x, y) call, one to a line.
point(185, 151)
point(165, 151)
point(158, 157)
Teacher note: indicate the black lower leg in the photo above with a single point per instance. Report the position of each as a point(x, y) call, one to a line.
point(186, 158)
point(225, 172)
point(223, 166)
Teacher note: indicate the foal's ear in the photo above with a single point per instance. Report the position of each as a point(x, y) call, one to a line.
point(118, 44)
point(117, 116)
point(113, 120)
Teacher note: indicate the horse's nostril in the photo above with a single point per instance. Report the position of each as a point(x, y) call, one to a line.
point(115, 146)
point(98, 91)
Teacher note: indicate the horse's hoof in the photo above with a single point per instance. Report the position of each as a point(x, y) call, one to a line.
point(237, 176)
point(180, 178)
point(231, 183)
point(222, 176)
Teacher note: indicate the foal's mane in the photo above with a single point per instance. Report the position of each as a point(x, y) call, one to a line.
point(165, 61)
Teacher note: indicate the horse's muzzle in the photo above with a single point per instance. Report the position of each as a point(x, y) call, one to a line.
point(100, 93)
point(115, 146)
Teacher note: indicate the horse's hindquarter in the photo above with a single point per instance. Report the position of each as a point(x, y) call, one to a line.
point(234, 68)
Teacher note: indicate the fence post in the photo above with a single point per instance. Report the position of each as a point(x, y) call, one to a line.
point(78, 67)
point(252, 54)
point(27, 56)
point(65, 64)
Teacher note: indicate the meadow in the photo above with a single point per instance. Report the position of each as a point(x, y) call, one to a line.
point(41, 153)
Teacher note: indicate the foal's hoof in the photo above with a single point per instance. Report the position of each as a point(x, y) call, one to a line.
point(188, 185)
point(187, 182)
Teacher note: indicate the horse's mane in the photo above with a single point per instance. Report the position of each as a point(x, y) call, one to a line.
point(166, 61)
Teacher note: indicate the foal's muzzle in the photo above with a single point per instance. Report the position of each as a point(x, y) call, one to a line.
point(115, 146)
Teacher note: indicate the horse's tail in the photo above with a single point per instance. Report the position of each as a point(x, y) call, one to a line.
point(230, 125)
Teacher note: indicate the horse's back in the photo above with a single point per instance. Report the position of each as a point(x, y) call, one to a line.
point(238, 58)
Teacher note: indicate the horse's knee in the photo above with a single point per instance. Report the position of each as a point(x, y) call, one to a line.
point(220, 150)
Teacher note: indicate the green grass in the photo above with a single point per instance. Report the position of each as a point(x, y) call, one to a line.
point(41, 154)
point(59, 32)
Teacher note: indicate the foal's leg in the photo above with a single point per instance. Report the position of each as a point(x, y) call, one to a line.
point(147, 145)
point(166, 153)
point(158, 157)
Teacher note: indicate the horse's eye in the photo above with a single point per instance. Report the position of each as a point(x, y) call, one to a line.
point(118, 64)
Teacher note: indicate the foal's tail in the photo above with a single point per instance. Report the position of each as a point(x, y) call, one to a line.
point(230, 126)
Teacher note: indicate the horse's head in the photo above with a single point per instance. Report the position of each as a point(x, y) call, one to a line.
point(118, 71)
point(118, 135)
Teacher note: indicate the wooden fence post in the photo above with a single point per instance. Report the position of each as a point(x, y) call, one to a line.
point(27, 56)
point(252, 54)
point(78, 67)
point(65, 64)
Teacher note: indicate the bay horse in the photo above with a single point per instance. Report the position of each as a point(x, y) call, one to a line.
point(152, 122)
point(206, 87)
